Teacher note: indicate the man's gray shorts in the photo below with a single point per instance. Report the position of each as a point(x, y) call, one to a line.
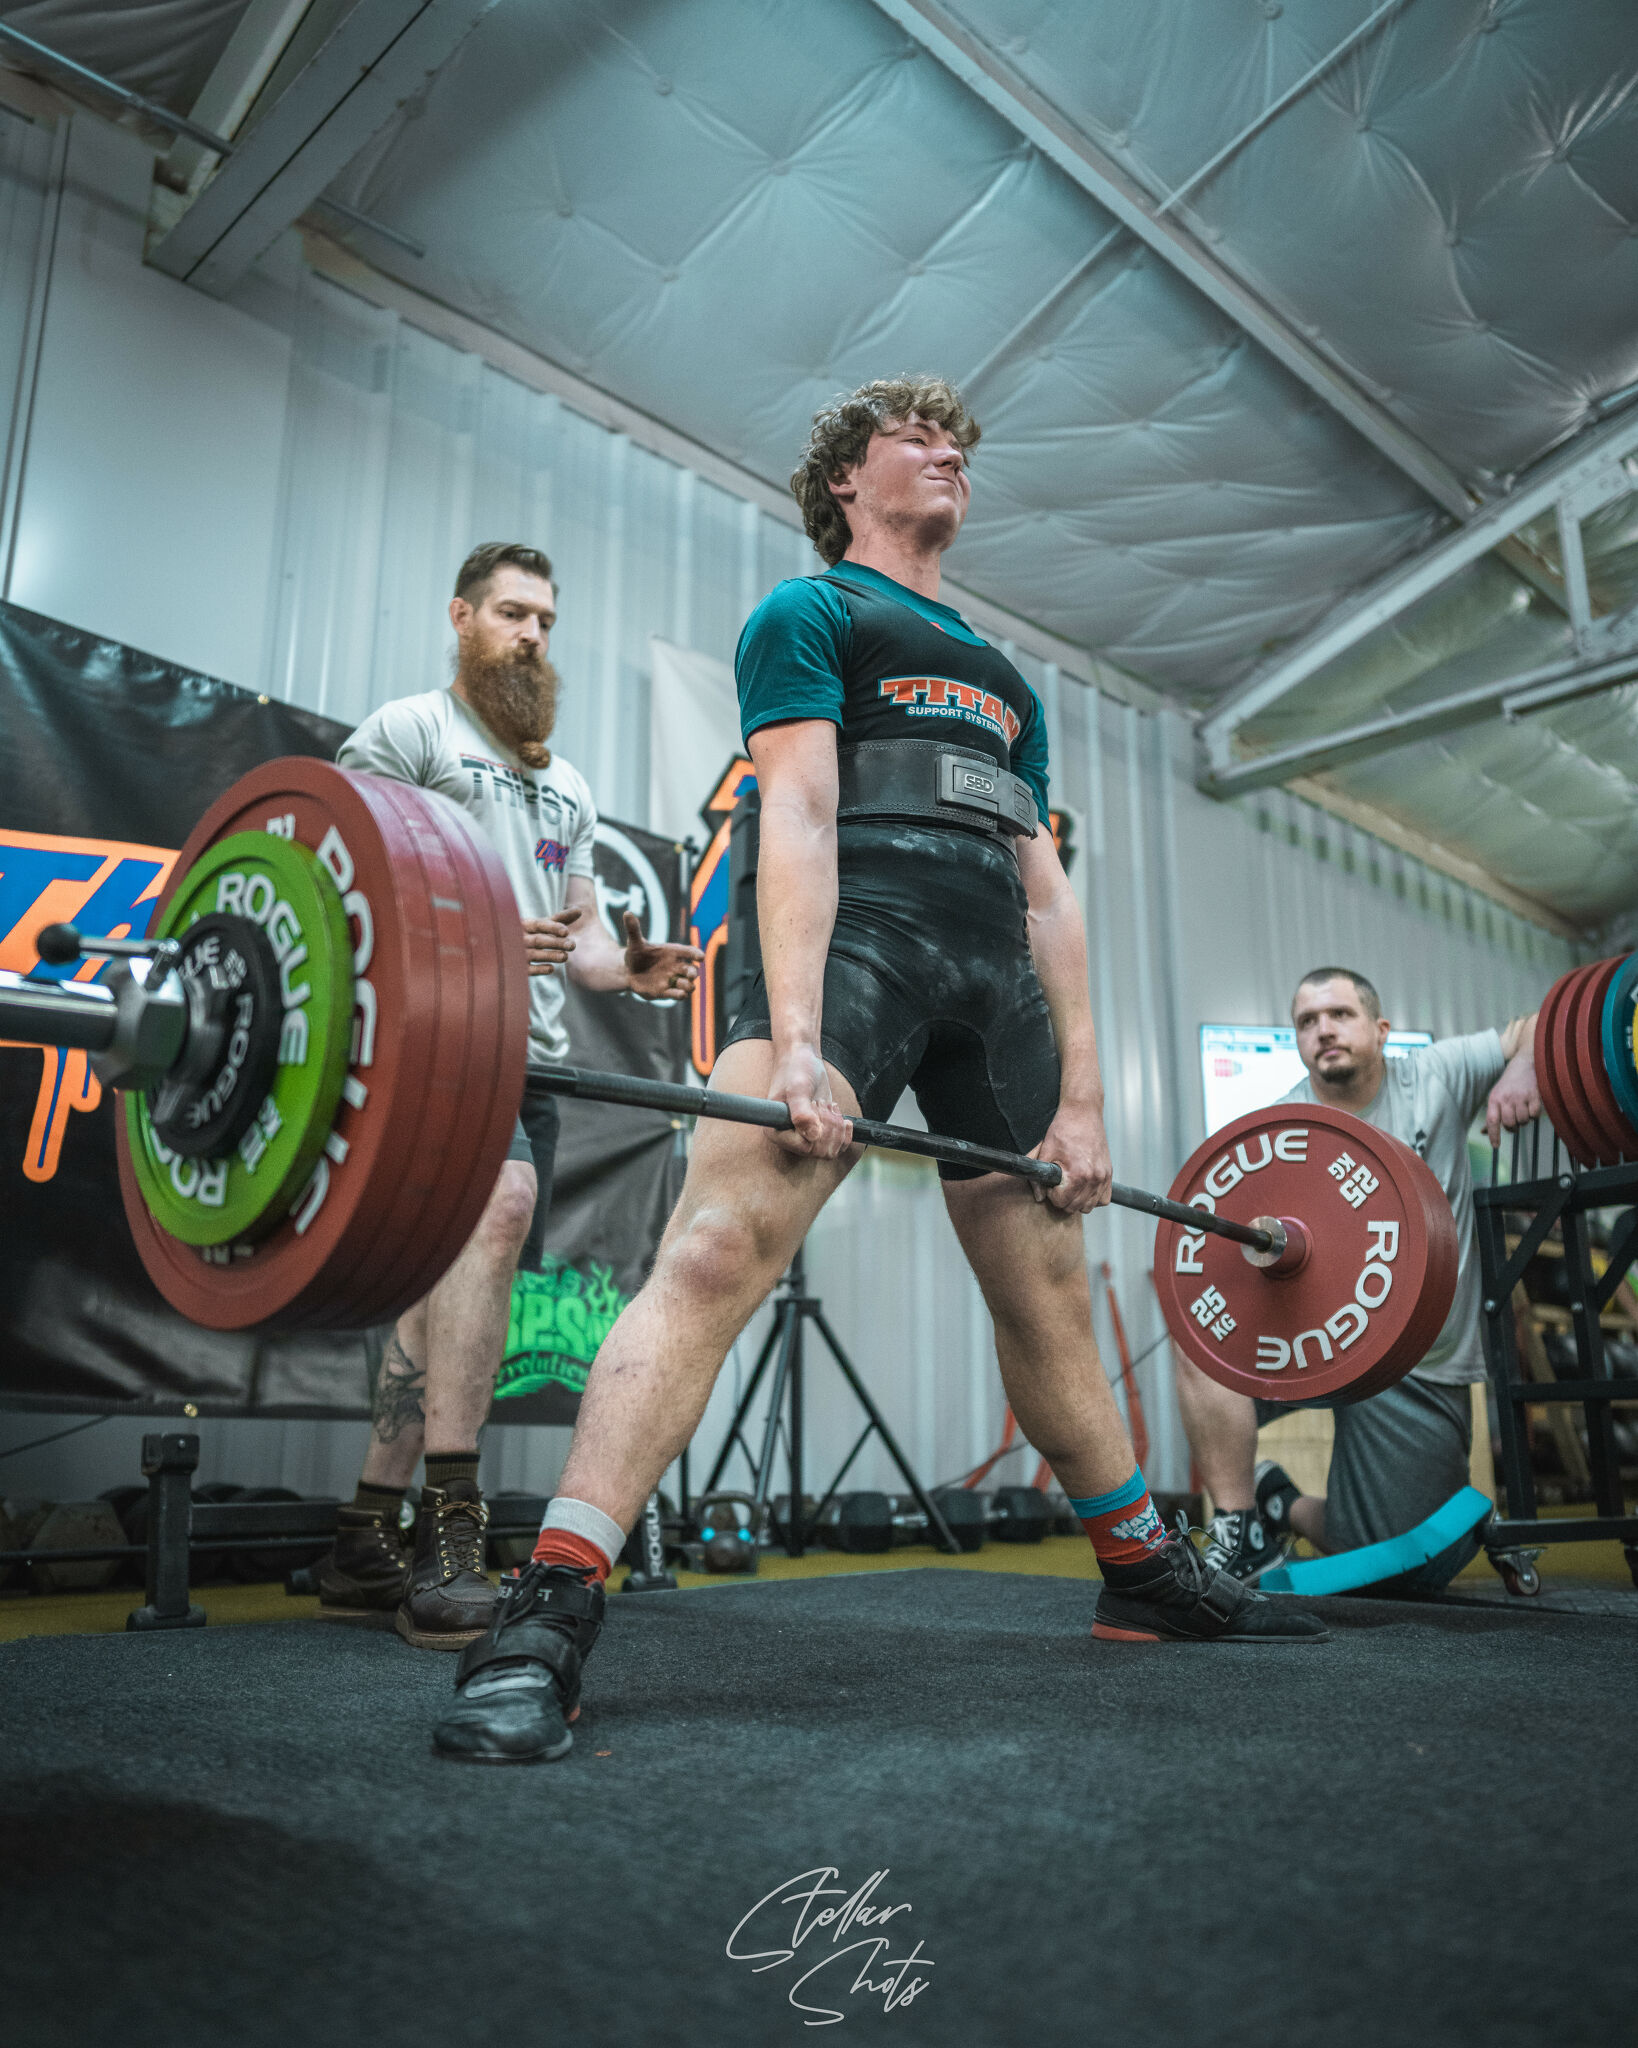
point(534, 1143)
point(1395, 1458)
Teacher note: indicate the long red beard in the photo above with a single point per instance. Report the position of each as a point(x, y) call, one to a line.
point(515, 695)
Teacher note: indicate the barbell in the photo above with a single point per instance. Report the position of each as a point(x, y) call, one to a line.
point(321, 1052)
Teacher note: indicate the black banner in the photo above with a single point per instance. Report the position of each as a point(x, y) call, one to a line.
point(619, 1171)
point(107, 759)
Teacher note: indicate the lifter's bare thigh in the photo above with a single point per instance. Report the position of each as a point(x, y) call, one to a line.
point(746, 1205)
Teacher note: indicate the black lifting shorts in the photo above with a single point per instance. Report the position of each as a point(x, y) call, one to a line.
point(929, 985)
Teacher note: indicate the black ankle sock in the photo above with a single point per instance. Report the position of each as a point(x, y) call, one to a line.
point(444, 1466)
point(385, 1501)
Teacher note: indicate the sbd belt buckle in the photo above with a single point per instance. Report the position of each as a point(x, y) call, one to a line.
point(1024, 809)
point(969, 784)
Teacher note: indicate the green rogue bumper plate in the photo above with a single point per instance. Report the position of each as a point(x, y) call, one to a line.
point(280, 885)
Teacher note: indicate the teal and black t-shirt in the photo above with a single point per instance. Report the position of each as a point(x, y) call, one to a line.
point(883, 663)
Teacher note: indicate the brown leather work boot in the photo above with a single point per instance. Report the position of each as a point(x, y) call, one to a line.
point(448, 1601)
point(367, 1568)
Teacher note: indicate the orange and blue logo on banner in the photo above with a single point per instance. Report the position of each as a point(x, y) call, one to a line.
point(708, 908)
point(104, 886)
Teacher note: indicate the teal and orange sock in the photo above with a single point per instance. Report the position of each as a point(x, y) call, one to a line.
point(1125, 1525)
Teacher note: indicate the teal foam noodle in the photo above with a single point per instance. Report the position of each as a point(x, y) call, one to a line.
point(1373, 1562)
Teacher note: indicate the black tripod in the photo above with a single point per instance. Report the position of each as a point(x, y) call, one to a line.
point(794, 1308)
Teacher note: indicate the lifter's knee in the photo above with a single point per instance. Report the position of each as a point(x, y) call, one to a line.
point(504, 1224)
point(720, 1256)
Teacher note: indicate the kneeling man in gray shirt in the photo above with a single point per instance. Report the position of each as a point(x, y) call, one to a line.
point(1402, 1453)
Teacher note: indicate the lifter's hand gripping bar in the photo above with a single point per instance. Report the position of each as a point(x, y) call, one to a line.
point(677, 1099)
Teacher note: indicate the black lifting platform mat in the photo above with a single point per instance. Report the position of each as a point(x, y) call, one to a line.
point(1416, 1833)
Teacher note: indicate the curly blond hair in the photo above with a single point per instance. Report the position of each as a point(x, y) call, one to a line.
point(841, 433)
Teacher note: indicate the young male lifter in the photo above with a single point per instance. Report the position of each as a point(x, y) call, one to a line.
point(907, 937)
point(482, 744)
point(1404, 1452)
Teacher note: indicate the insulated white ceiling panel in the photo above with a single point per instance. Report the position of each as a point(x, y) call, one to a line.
point(1451, 210)
point(163, 49)
point(726, 212)
point(1548, 805)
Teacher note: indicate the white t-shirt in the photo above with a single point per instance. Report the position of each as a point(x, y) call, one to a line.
point(541, 821)
point(1428, 1101)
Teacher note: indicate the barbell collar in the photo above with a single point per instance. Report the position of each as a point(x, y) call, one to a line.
point(151, 1031)
point(134, 1026)
point(60, 945)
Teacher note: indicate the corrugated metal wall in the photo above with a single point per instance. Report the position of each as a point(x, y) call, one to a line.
point(400, 452)
point(31, 162)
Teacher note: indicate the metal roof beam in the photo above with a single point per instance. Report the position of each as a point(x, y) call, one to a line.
point(1573, 556)
point(379, 55)
point(1591, 472)
point(1613, 661)
point(984, 71)
point(226, 97)
point(77, 78)
point(1294, 92)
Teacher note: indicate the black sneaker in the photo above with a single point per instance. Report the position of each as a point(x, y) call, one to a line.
point(1238, 1542)
point(367, 1568)
point(517, 1690)
point(1174, 1596)
point(448, 1601)
point(1276, 1492)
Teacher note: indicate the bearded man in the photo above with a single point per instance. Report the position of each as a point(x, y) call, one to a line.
point(482, 744)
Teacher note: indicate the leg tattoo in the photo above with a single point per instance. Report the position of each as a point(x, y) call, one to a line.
point(396, 1404)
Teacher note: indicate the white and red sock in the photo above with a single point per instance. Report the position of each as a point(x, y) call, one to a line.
point(576, 1534)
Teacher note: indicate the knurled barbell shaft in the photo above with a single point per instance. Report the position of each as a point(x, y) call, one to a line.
point(1191, 1218)
point(678, 1099)
point(51, 1013)
point(56, 1013)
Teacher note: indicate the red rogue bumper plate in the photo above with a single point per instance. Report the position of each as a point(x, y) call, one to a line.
point(1375, 1289)
point(436, 1069)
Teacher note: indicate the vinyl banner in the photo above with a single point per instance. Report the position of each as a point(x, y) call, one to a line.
point(107, 758)
point(619, 1171)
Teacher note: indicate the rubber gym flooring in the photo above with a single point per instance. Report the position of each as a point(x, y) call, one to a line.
point(1416, 1833)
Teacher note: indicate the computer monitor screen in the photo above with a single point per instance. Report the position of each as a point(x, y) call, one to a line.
point(1248, 1066)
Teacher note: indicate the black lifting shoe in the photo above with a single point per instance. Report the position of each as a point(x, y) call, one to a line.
point(1174, 1596)
point(518, 1688)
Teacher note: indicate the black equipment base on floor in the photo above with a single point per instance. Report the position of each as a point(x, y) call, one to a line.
point(1562, 1195)
point(794, 1309)
point(178, 1526)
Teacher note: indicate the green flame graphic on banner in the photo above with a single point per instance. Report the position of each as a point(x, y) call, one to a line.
point(559, 1318)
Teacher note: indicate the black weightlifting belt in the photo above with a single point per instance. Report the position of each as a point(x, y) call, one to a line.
point(929, 782)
